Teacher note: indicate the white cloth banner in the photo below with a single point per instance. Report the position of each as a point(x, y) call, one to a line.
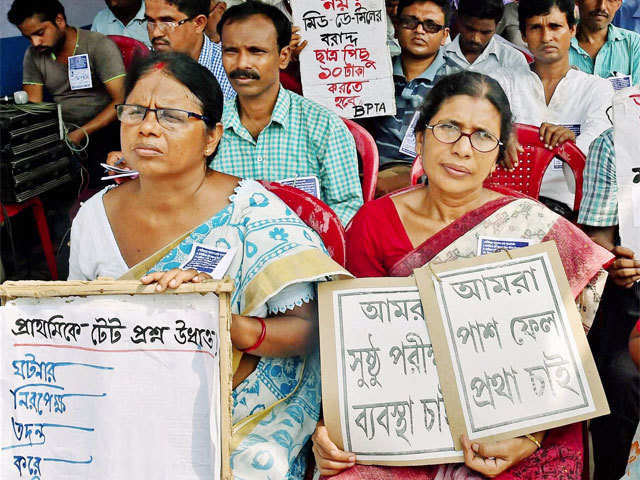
point(346, 65)
point(626, 122)
point(110, 387)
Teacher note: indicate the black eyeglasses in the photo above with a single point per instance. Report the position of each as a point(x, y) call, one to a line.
point(166, 26)
point(481, 140)
point(168, 118)
point(411, 23)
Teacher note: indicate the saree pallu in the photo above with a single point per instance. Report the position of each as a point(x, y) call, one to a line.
point(561, 455)
point(278, 258)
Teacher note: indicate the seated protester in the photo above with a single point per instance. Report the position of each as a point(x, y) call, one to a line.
point(565, 103)
point(474, 48)
point(599, 47)
point(271, 133)
point(87, 104)
point(619, 310)
point(179, 27)
point(463, 127)
point(422, 31)
point(628, 17)
point(170, 128)
point(508, 25)
point(216, 9)
point(122, 17)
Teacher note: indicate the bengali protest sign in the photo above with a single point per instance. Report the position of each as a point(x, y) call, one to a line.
point(346, 65)
point(507, 333)
point(626, 122)
point(381, 395)
point(107, 380)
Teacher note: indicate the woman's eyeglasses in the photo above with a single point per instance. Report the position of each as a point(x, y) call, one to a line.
point(411, 23)
point(481, 140)
point(168, 118)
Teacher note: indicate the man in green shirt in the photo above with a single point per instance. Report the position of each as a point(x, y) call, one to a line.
point(82, 70)
point(271, 133)
point(601, 48)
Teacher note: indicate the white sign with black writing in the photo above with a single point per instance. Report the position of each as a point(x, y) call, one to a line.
point(626, 122)
point(346, 65)
point(384, 388)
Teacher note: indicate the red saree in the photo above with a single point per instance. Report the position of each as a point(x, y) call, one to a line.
point(377, 245)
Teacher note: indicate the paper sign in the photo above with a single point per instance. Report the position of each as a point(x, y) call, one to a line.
point(490, 245)
point(209, 260)
point(380, 390)
point(79, 72)
point(408, 145)
point(507, 332)
point(309, 184)
point(626, 124)
point(620, 81)
point(113, 386)
point(346, 65)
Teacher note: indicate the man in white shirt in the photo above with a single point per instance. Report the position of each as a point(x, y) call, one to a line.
point(475, 47)
point(122, 17)
point(566, 104)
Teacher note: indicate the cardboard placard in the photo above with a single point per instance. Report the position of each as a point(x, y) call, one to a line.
point(346, 65)
point(508, 338)
point(108, 379)
point(380, 390)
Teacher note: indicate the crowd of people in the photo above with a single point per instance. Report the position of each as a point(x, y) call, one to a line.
point(204, 116)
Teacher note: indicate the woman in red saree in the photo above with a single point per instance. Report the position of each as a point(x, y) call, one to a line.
point(464, 125)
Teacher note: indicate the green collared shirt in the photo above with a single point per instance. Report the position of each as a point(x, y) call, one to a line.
point(302, 139)
point(619, 54)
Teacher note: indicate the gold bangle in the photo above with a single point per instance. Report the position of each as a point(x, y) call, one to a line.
point(533, 439)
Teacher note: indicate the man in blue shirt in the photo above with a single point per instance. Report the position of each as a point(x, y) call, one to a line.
point(602, 49)
point(421, 31)
point(122, 17)
point(179, 27)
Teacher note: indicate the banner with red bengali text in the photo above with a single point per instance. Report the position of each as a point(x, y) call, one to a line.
point(346, 64)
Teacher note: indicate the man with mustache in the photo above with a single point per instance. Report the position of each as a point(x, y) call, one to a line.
point(422, 29)
point(271, 133)
point(601, 48)
point(565, 103)
point(122, 17)
point(87, 104)
point(476, 48)
point(179, 26)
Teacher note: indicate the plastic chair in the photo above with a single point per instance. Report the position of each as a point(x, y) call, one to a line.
point(532, 163)
point(368, 153)
point(129, 48)
point(13, 209)
point(317, 215)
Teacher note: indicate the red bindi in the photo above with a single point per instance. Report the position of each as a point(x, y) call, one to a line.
point(159, 66)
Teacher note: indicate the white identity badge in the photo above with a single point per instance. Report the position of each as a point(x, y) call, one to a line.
point(491, 244)
point(408, 145)
point(79, 72)
point(209, 260)
point(556, 163)
point(620, 81)
point(309, 184)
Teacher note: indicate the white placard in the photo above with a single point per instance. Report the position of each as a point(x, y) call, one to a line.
point(626, 123)
point(391, 406)
point(346, 65)
point(515, 361)
point(91, 393)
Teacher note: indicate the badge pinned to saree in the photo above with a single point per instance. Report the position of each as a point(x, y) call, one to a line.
point(509, 344)
point(209, 260)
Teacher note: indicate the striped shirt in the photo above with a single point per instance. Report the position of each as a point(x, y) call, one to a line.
point(211, 58)
point(599, 205)
point(302, 139)
point(619, 54)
